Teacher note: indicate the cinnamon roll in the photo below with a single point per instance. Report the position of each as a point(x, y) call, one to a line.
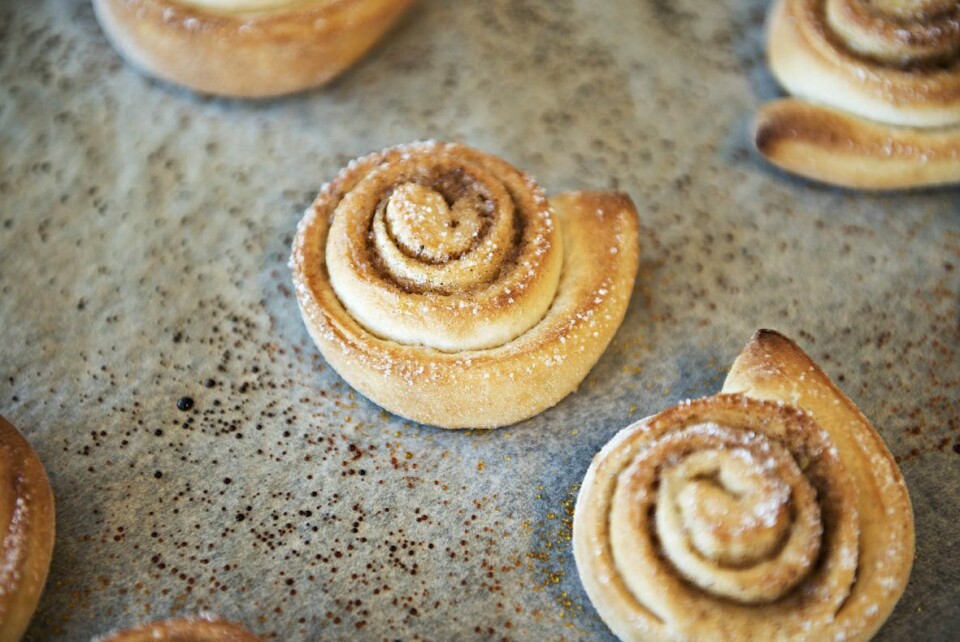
point(199, 629)
point(771, 511)
point(246, 48)
point(879, 84)
point(27, 522)
point(441, 283)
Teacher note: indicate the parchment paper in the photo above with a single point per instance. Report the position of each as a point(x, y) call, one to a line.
point(144, 237)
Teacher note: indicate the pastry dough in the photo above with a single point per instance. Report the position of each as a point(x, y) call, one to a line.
point(27, 524)
point(892, 67)
point(246, 48)
point(833, 146)
point(771, 511)
point(200, 629)
point(441, 283)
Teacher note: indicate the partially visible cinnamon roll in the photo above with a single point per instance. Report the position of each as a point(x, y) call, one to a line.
point(199, 629)
point(26, 531)
point(246, 48)
point(883, 83)
point(771, 511)
point(442, 284)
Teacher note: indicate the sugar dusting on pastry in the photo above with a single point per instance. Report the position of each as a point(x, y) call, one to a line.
point(765, 511)
point(877, 92)
point(530, 288)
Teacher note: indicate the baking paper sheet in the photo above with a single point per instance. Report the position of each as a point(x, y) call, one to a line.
point(144, 238)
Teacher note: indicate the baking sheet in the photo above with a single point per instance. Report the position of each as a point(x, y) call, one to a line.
point(144, 237)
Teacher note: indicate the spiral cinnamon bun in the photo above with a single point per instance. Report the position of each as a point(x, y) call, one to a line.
point(27, 522)
point(771, 511)
point(883, 83)
point(441, 283)
point(246, 48)
point(199, 629)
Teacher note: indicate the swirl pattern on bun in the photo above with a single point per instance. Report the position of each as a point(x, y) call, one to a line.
point(770, 511)
point(441, 283)
point(877, 87)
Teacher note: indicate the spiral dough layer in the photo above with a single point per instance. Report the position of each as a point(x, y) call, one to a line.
point(445, 248)
point(432, 270)
point(735, 517)
point(883, 75)
point(27, 524)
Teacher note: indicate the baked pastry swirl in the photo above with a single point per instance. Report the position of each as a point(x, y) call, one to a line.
point(883, 83)
point(246, 48)
point(199, 629)
point(441, 283)
point(27, 524)
point(771, 511)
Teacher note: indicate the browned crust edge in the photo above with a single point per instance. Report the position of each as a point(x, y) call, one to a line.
point(834, 147)
point(246, 55)
point(33, 564)
point(506, 384)
point(773, 367)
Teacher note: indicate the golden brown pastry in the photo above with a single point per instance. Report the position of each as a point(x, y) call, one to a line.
point(27, 524)
point(880, 89)
point(441, 283)
point(199, 629)
point(771, 511)
point(246, 48)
